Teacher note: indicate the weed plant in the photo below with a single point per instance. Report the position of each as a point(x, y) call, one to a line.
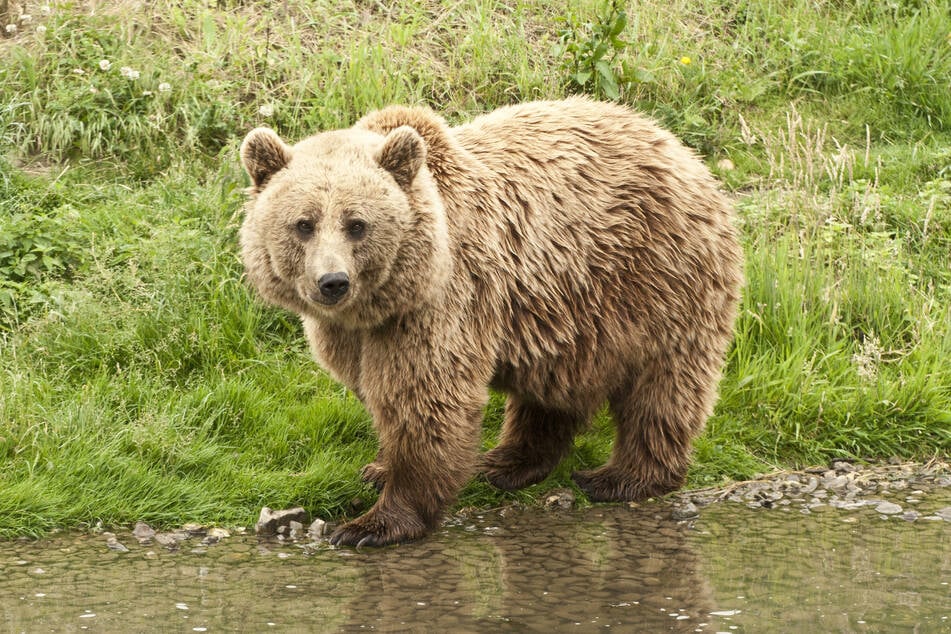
point(141, 380)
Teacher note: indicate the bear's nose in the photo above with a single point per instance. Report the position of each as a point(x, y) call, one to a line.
point(334, 285)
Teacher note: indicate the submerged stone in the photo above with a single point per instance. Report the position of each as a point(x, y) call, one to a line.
point(888, 508)
point(687, 511)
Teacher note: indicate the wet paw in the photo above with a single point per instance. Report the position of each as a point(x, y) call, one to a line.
point(608, 484)
point(379, 528)
point(509, 471)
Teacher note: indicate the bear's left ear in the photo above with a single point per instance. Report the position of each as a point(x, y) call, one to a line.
point(264, 154)
point(402, 154)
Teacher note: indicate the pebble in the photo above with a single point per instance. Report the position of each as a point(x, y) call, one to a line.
point(560, 499)
point(687, 511)
point(841, 486)
point(113, 543)
point(214, 536)
point(143, 533)
point(168, 540)
point(811, 485)
point(888, 508)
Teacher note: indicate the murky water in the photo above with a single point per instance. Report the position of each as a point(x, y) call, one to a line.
point(608, 568)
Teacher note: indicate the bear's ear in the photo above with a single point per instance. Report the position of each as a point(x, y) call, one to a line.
point(263, 154)
point(402, 154)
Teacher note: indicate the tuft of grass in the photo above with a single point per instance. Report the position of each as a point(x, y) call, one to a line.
point(141, 380)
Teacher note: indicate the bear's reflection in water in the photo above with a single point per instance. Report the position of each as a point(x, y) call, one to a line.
point(517, 571)
point(604, 568)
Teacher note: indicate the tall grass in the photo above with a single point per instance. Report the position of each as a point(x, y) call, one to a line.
point(140, 379)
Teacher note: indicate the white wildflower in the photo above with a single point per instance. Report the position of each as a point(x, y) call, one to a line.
point(129, 73)
point(868, 358)
point(146, 93)
point(41, 29)
point(105, 64)
point(11, 28)
point(267, 110)
point(165, 87)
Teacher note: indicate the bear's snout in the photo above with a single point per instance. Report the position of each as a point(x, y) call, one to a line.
point(333, 286)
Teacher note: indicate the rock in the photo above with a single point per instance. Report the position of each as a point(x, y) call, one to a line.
point(194, 530)
point(560, 499)
point(811, 485)
point(317, 529)
point(944, 513)
point(836, 483)
point(270, 521)
point(170, 540)
point(682, 512)
point(143, 533)
point(297, 530)
point(214, 536)
point(841, 466)
point(887, 508)
point(114, 544)
point(220, 533)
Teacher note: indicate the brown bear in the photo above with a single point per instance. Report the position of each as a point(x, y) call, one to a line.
point(567, 253)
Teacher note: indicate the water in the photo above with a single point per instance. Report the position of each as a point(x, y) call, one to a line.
point(605, 569)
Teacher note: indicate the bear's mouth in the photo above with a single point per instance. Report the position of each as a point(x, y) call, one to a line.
point(315, 297)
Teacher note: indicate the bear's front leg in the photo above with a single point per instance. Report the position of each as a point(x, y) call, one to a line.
point(428, 457)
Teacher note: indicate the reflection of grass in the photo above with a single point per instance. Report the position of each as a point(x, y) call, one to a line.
point(139, 379)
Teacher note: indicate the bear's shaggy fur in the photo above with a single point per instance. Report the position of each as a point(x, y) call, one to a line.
point(567, 253)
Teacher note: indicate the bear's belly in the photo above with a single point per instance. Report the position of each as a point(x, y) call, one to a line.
point(552, 383)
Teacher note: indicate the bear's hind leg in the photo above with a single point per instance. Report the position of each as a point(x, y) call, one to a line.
point(534, 440)
point(657, 415)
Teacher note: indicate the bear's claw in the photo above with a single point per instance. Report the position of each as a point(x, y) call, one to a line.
point(379, 528)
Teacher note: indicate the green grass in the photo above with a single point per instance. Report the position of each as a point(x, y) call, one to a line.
point(140, 379)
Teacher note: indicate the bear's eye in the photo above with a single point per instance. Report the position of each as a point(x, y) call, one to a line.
point(305, 227)
point(356, 229)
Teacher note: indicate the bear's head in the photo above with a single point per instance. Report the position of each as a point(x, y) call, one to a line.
point(345, 226)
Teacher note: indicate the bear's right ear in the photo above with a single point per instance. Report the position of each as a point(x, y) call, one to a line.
point(263, 154)
point(402, 155)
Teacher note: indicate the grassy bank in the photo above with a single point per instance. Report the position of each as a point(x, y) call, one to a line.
point(140, 379)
